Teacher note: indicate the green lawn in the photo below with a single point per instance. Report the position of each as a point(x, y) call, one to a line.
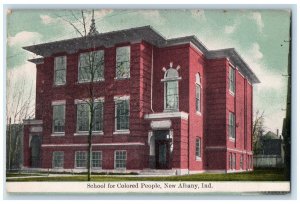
point(257, 175)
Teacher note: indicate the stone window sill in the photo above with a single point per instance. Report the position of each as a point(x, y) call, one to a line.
point(121, 132)
point(87, 133)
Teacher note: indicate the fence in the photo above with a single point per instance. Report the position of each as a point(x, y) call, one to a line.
point(267, 161)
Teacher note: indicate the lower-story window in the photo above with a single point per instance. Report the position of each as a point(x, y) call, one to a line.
point(242, 161)
point(198, 148)
point(120, 159)
point(230, 160)
point(234, 160)
point(97, 159)
point(81, 159)
point(58, 160)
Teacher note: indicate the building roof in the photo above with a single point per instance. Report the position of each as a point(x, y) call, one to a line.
point(145, 33)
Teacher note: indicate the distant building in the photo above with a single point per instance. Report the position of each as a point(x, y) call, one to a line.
point(271, 151)
point(173, 104)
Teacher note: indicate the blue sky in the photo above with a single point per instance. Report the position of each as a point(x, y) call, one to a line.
point(258, 35)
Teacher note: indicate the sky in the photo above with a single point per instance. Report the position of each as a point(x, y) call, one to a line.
point(259, 36)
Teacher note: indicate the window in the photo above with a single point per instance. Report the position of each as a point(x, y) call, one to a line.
point(120, 159)
point(84, 116)
point(60, 70)
point(172, 95)
point(58, 118)
point(122, 114)
point(91, 66)
point(171, 78)
point(230, 160)
point(242, 162)
point(81, 159)
point(96, 159)
point(231, 125)
point(198, 148)
point(123, 62)
point(234, 161)
point(198, 92)
point(58, 160)
point(231, 80)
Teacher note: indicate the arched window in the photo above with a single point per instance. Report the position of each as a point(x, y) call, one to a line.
point(198, 93)
point(171, 98)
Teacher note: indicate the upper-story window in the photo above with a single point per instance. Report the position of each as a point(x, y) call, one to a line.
point(84, 116)
point(60, 66)
point(231, 80)
point(231, 125)
point(91, 66)
point(171, 98)
point(122, 113)
point(123, 62)
point(198, 93)
point(58, 117)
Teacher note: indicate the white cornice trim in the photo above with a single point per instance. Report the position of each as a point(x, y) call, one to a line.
point(78, 101)
point(98, 144)
point(182, 115)
point(120, 98)
point(32, 122)
point(59, 102)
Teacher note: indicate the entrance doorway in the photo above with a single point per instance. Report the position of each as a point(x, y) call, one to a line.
point(162, 149)
point(35, 145)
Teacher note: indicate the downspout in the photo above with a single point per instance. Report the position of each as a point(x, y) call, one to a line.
point(151, 82)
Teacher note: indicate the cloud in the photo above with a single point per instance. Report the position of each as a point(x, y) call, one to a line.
point(47, 19)
point(256, 16)
point(24, 37)
point(255, 51)
point(229, 29)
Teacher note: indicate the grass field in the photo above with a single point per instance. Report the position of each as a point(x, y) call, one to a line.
point(257, 175)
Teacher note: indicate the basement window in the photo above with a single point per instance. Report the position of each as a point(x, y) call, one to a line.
point(58, 160)
point(120, 159)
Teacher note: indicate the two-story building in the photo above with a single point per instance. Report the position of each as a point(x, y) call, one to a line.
point(159, 104)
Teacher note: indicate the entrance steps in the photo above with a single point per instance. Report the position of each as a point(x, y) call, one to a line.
point(167, 172)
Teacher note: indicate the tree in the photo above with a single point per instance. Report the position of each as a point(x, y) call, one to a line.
point(257, 131)
point(90, 71)
point(19, 106)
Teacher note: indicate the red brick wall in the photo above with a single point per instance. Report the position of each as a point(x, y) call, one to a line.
point(196, 126)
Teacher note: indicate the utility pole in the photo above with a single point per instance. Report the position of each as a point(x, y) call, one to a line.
point(9, 150)
point(287, 131)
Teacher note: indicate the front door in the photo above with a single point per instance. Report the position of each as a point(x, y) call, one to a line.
point(35, 145)
point(162, 151)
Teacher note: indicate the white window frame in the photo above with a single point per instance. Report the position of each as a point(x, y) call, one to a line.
point(95, 132)
point(58, 103)
point(117, 99)
point(242, 161)
point(75, 162)
point(231, 79)
point(198, 146)
point(79, 67)
point(61, 69)
point(100, 160)
point(53, 160)
point(230, 160)
point(198, 86)
point(123, 77)
point(115, 161)
point(234, 161)
point(231, 126)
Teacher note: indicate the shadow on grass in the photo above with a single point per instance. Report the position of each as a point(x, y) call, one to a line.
point(256, 175)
